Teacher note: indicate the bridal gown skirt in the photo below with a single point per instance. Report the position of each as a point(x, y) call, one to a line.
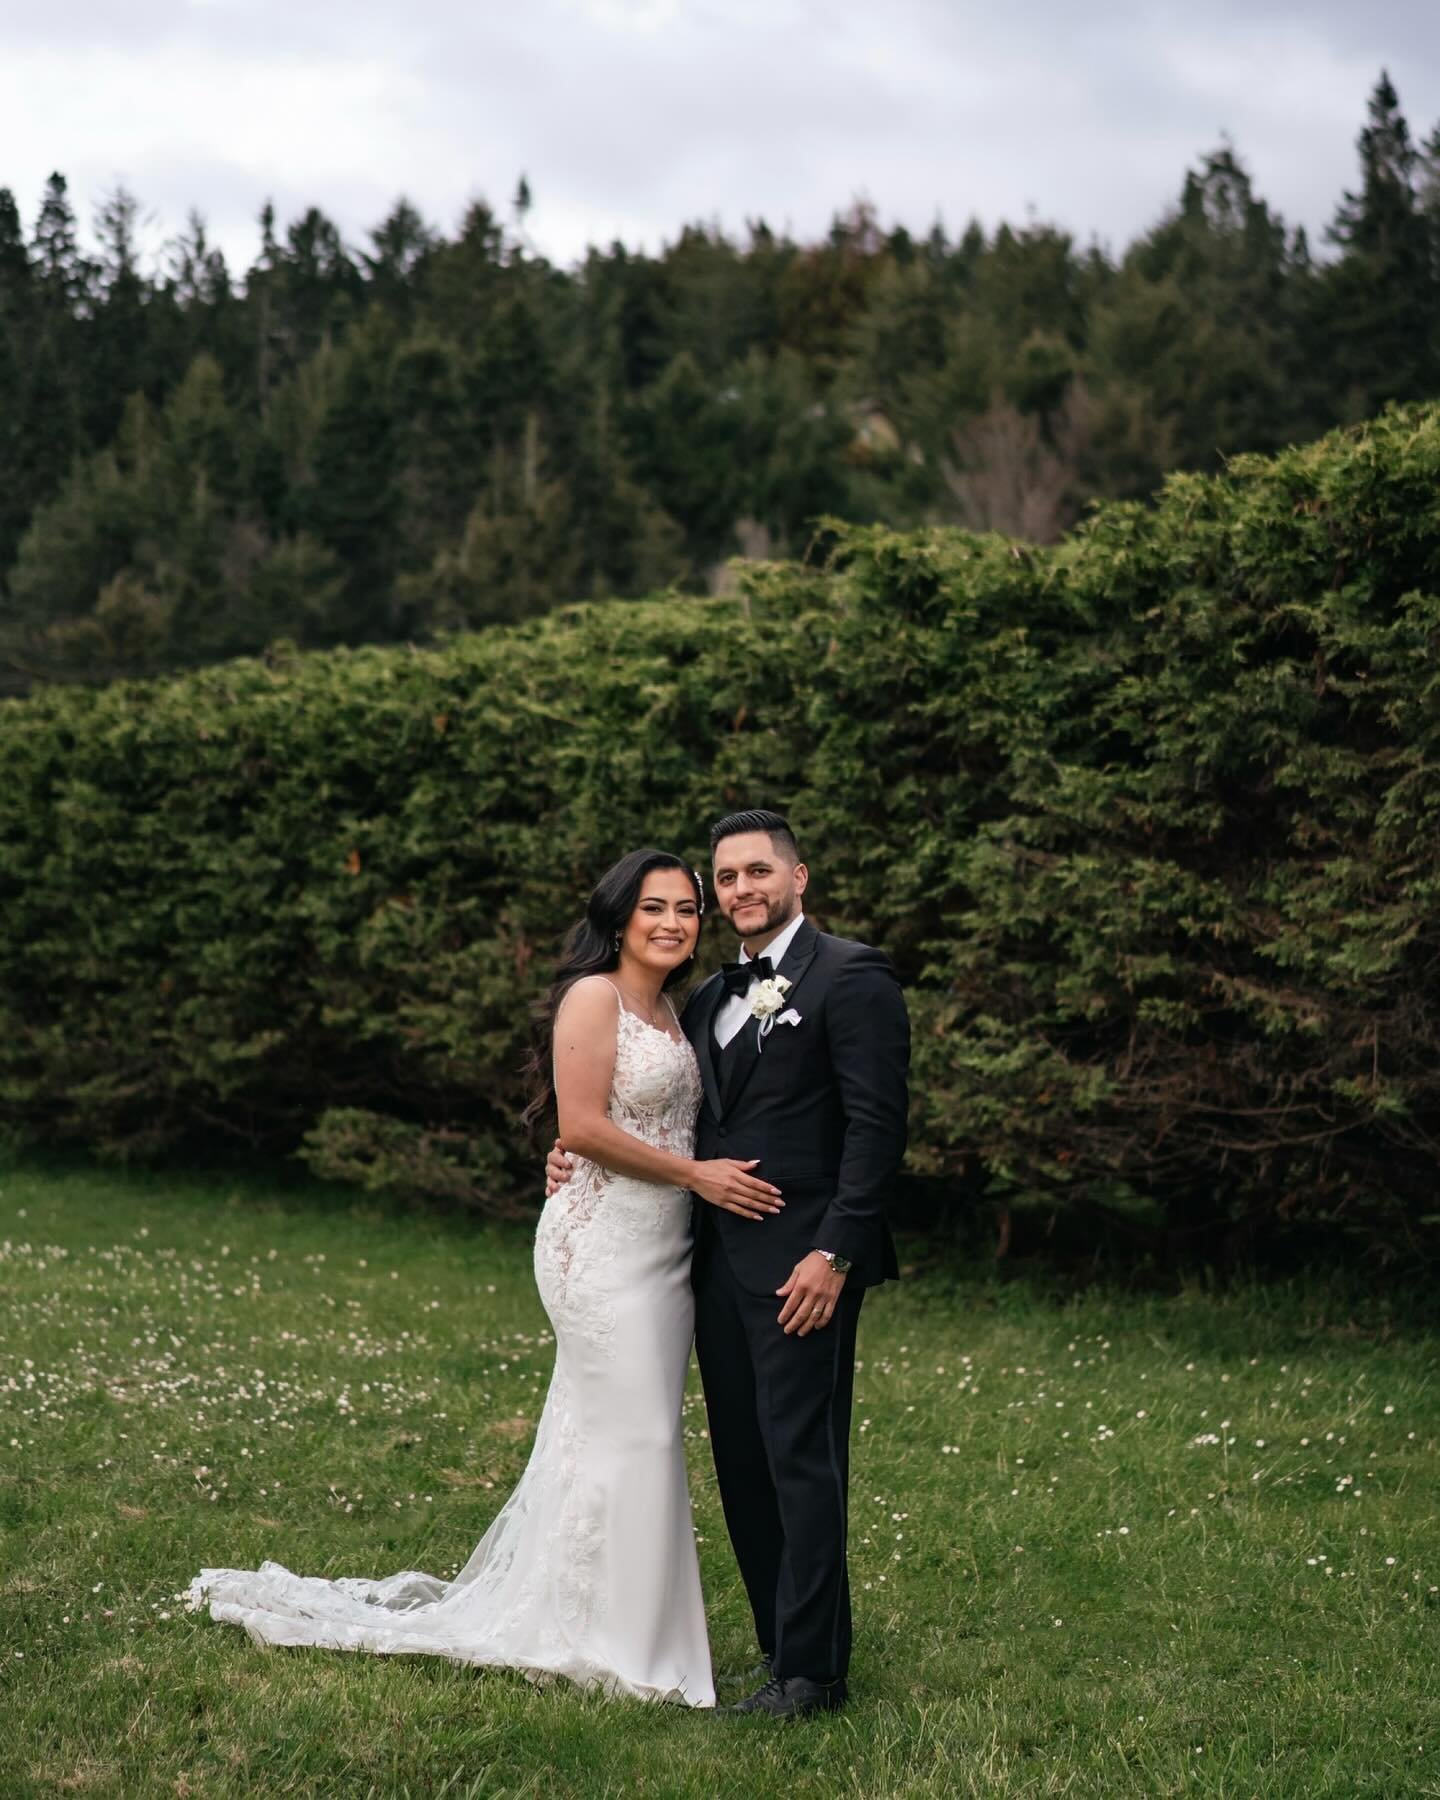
point(589, 1570)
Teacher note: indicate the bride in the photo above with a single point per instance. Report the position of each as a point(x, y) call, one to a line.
point(589, 1569)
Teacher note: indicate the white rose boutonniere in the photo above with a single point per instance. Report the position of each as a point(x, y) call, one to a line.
point(767, 997)
point(766, 1000)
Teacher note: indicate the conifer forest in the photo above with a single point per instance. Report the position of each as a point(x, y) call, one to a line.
point(425, 433)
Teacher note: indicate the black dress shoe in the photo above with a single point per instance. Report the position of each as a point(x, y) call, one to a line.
point(792, 1697)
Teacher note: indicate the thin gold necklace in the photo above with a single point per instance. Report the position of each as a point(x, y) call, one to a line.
point(650, 1019)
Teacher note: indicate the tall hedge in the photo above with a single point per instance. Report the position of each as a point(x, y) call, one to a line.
point(1148, 821)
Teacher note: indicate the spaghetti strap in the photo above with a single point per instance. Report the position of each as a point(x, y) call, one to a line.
point(565, 997)
point(630, 1011)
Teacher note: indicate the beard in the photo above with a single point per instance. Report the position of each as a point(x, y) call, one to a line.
point(777, 913)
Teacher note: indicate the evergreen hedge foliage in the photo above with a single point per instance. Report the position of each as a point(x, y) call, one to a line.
point(1147, 820)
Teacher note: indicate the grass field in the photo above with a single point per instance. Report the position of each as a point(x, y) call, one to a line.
point(1104, 1545)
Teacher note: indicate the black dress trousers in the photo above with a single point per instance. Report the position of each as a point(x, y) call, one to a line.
point(779, 1419)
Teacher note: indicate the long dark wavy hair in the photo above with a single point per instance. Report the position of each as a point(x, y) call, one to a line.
point(590, 949)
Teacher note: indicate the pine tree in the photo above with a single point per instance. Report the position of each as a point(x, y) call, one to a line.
point(198, 277)
point(63, 274)
point(462, 279)
point(201, 312)
point(118, 361)
point(402, 243)
point(142, 560)
point(307, 292)
point(1197, 347)
point(51, 415)
point(47, 428)
point(1428, 194)
point(825, 290)
point(204, 437)
point(520, 205)
point(1377, 321)
point(440, 447)
point(351, 498)
point(629, 543)
point(518, 555)
point(74, 544)
point(295, 590)
point(16, 275)
point(687, 430)
point(17, 301)
point(791, 454)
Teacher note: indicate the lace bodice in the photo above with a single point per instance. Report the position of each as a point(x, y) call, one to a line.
point(655, 1093)
point(654, 1096)
point(655, 1088)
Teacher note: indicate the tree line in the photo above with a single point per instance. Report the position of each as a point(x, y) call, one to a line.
point(430, 434)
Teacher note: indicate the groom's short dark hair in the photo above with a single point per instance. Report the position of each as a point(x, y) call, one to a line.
point(782, 838)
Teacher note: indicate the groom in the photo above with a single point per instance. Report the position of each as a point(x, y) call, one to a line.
point(804, 1045)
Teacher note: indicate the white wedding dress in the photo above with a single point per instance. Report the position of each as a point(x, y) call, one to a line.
point(589, 1569)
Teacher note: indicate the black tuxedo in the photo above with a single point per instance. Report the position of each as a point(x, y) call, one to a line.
point(823, 1104)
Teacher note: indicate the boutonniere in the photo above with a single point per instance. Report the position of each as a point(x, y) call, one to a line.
point(766, 1000)
point(767, 997)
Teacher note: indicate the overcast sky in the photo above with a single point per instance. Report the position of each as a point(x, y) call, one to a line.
point(631, 117)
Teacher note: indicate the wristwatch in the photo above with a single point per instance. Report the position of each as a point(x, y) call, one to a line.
point(842, 1265)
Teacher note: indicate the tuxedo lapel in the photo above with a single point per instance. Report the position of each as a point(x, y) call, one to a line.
point(793, 965)
point(798, 958)
point(702, 1010)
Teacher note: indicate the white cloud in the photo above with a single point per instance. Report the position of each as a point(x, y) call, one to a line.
point(643, 16)
point(632, 117)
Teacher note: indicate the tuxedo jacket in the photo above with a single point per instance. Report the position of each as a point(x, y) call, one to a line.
point(823, 1103)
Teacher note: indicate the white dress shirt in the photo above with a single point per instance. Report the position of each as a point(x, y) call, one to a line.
point(735, 1009)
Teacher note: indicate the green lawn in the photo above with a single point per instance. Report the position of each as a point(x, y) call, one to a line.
point(1105, 1546)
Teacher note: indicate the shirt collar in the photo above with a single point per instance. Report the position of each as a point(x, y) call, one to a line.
point(776, 949)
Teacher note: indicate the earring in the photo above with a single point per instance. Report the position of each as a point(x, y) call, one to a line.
point(615, 943)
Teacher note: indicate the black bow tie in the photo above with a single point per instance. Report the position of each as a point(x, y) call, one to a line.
point(739, 975)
